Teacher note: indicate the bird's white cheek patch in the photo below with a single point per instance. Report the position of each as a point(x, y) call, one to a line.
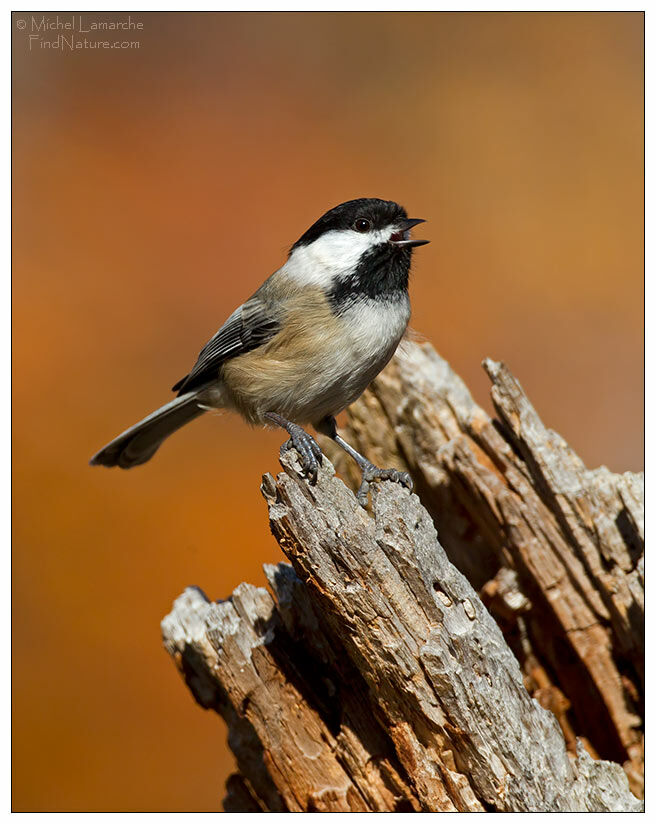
point(331, 256)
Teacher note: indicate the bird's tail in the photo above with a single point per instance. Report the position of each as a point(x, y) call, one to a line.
point(139, 443)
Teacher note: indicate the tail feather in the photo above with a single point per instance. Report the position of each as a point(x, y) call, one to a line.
point(139, 443)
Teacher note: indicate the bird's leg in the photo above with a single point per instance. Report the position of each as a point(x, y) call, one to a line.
point(370, 472)
point(308, 449)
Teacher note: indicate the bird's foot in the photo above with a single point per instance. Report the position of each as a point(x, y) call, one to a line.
point(371, 472)
point(308, 449)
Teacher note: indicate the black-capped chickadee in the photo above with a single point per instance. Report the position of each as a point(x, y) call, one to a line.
point(306, 344)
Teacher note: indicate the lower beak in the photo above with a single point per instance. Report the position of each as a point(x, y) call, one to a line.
point(401, 236)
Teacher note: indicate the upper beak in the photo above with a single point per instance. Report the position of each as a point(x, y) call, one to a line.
point(401, 238)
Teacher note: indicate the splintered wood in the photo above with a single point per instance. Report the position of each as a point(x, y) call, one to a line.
point(499, 668)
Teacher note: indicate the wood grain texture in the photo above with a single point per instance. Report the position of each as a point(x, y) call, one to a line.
point(374, 676)
point(508, 493)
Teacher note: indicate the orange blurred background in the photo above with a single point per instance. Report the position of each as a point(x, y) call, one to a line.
point(154, 189)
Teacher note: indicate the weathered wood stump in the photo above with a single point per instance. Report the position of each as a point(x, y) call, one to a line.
point(500, 668)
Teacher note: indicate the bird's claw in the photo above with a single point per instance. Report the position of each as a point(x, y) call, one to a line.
point(374, 473)
point(309, 451)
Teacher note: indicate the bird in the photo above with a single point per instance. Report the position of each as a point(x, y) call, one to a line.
point(305, 345)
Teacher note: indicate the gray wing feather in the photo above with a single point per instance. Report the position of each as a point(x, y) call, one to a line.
point(249, 326)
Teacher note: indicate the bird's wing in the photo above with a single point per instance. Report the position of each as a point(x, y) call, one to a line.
point(250, 326)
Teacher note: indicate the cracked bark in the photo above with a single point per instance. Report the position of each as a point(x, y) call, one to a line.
point(491, 670)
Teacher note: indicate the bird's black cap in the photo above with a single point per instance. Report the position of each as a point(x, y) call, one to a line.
point(379, 212)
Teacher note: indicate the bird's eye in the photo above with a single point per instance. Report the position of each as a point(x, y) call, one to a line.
point(362, 224)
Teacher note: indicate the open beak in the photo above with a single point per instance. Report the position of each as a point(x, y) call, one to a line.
point(401, 237)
